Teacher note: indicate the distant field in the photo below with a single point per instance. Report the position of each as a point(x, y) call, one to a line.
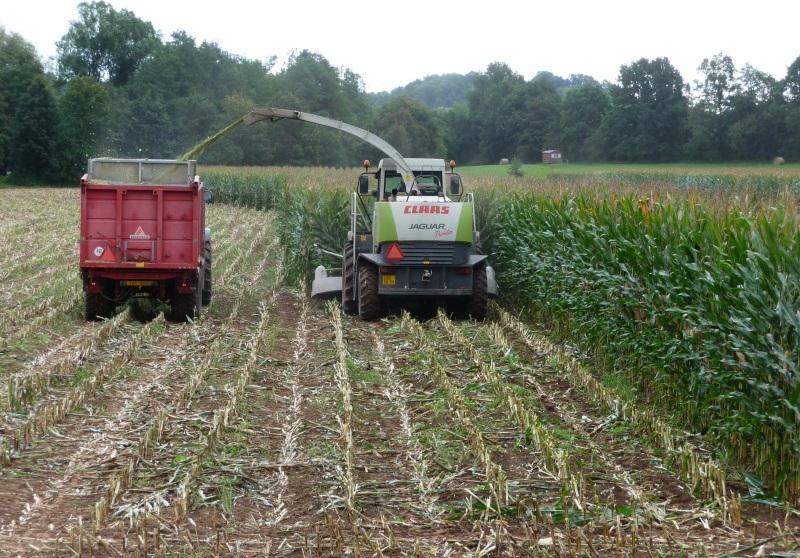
point(542, 171)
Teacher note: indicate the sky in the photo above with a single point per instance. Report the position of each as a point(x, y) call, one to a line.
point(390, 44)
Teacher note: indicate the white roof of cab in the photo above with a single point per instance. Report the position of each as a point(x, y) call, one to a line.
point(417, 164)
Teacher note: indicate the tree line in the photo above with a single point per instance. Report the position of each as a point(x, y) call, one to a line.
point(117, 88)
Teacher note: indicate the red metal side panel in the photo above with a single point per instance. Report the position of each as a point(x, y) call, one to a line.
point(140, 227)
point(179, 233)
point(99, 225)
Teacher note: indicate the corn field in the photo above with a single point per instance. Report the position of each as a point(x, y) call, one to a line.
point(630, 395)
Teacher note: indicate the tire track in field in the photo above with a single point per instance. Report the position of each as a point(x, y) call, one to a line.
point(279, 498)
point(114, 395)
point(179, 412)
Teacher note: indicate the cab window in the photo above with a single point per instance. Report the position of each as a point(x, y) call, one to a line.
point(427, 183)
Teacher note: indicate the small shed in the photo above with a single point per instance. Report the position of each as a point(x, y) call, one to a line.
point(551, 156)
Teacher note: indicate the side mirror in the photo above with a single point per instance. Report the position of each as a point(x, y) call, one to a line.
point(208, 196)
point(455, 185)
point(363, 184)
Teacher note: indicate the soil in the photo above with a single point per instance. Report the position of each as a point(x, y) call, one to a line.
point(423, 464)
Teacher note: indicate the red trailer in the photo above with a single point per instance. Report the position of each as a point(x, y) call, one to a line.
point(143, 235)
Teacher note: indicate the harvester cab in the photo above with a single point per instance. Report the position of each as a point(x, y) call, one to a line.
point(412, 236)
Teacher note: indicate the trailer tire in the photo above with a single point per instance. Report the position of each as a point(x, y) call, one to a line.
point(207, 278)
point(98, 306)
point(349, 303)
point(184, 307)
point(479, 299)
point(369, 303)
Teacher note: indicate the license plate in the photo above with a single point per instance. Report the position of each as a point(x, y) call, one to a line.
point(390, 280)
point(138, 283)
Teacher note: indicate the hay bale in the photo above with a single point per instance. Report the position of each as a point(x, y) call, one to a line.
point(503, 161)
point(778, 161)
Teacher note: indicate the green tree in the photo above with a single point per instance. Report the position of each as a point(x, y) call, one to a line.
point(791, 88)
point(84, 110)
point(647, 117)
point(582, 113)
point(459, 132)
point(791, 82)
point(494, 106)
point(717, 88)
point(176, 97)
point(538, 113)
point(105, 43)
point(757, 121)
point(411, 128)
point(436, 91)
point(28, 111)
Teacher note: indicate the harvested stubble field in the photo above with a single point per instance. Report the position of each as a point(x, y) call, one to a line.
point(275, 426)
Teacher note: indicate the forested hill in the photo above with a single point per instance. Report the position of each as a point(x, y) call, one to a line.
point(439, 91)
point(118, 88)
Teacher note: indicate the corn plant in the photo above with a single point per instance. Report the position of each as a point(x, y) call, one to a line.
point(123, 479)
point(24, 386)
point(44, 416)
point(496, 477)
point(57, 310)
point(696, 307)
point(345, 472)
point(703, 474)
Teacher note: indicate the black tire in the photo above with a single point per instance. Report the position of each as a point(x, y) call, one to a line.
point(349, 303)
point(98, 306)
point(207, 279)
point(369, 303)
point(479, 299)
point(185, 307)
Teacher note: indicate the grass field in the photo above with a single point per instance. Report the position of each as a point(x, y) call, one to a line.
point(275, 426)
point(543, 171)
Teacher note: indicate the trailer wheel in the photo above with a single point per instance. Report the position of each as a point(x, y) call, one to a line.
point(479, 299)
point(98, 306)
point(207, 279)
point(369, 303)
point(185, 307)
point(349, 304)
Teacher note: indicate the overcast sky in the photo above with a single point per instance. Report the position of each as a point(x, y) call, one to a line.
point(392, 43)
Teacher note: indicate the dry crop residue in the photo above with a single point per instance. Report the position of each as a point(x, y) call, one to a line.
point(276, 426)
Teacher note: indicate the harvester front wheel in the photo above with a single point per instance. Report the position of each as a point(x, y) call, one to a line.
point(369, 303)
point(349, 304)
point(479, 299)
point(98, 306)
point(207, 280)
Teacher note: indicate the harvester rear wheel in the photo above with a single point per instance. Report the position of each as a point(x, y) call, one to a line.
point(479, 299)
point(98, 306)
point(207, 280)
point(369, 303)
point(349, 304)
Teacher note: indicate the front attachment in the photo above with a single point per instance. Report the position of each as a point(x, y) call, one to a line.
point(324, 286)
